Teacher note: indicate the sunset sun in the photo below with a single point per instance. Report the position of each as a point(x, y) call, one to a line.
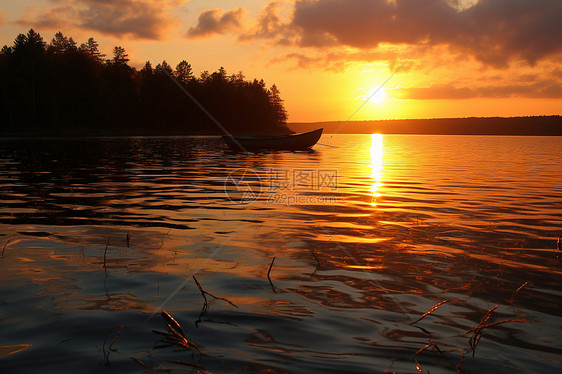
point(377, 95)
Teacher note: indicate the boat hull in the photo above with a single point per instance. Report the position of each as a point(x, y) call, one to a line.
point(294, 142)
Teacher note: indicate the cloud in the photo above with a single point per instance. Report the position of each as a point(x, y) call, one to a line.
point(495, 32)
point(301, 60)
point(139, 18)
point(338, 61)
point(142, 19)
point(216, 21)
point(270, 26)
point(506, 44)
point(557, 73)
point(51, 17)
point(540, 89)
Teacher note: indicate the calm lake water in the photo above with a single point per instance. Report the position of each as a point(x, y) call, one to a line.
point(99, 235)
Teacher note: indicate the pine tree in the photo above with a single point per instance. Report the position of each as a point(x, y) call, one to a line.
point(147, 70)
point(183, 72)
point(31, 45)
point(219, 75)
point(279, 112)
point(91, 47)
point(120, 57)
point(6, 51)
point(61, 44)
point(164, 66)
point(35, 40)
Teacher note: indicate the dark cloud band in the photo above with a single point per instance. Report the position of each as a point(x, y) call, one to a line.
point(215, 21)
point(494, 31)
point(143, 19)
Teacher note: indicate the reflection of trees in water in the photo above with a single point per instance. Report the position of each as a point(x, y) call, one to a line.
point(109, 181)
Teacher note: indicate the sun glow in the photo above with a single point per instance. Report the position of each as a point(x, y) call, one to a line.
point(377, 95)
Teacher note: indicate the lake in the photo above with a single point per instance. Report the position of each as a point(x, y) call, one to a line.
point(321, 261)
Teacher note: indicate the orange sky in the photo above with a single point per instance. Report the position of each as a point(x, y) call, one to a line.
point(459, 58)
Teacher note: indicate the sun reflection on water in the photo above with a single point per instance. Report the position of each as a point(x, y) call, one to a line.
point(376, 166)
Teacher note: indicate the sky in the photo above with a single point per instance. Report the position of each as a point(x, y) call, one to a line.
point(337, 59)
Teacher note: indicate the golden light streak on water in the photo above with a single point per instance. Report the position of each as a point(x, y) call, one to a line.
point(376, 165)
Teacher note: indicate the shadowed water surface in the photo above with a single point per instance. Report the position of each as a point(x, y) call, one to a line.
point(98, 235)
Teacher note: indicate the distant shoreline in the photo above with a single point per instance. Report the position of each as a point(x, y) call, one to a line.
point(527, 126)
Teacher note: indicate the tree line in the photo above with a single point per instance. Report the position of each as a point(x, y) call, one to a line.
point(61, 88)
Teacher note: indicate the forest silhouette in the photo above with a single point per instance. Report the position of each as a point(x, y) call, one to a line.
point(64, 89)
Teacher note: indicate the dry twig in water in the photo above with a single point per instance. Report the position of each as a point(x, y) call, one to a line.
point(315, 257)
point(172, 323)
point(270, 266)
point(4, 248)
point(268, 278)
point(477, 331)
point(430, 344)
point(203, 293)
point(140, 363)
point(418, 367)
point(441, 353)
point(105, 255)
point(475, 338)
point(175, 335)
point(110, 349)
point(528, 283)
point(432, 309)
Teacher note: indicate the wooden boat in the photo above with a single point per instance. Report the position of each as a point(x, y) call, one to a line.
point(293, 142)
